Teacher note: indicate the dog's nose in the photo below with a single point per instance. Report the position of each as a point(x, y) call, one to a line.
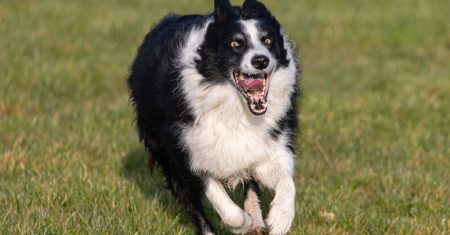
point(260, 62)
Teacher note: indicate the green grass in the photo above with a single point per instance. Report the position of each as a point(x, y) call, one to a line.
point(375, 118)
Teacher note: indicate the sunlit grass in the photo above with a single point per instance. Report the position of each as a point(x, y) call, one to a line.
point(375, 148)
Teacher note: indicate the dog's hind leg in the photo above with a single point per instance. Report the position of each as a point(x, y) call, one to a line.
point(232, 215)
point(188, 189)
point(253, 208)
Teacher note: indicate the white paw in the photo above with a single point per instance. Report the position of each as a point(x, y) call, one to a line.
point(280, 218)
point(245, 224)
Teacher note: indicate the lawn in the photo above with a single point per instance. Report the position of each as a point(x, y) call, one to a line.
point(374, 149)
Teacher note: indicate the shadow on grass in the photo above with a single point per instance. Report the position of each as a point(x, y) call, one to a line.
point(151, 182)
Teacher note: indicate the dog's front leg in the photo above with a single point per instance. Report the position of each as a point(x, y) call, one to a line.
point(277, 175)
point(282, 208)
point(231, 214)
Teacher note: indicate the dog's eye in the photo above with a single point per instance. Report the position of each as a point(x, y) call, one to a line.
point(268, 41)
point(234, 44)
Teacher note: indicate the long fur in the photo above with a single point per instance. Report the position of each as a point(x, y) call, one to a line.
point(197, 125)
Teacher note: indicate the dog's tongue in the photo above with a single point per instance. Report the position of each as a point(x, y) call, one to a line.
point(254, 84)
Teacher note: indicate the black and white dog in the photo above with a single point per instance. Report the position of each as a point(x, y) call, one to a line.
point(215, 97)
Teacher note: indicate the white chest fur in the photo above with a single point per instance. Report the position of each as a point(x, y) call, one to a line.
point(226, 140)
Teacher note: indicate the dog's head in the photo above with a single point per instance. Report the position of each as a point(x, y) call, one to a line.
point(244, 46)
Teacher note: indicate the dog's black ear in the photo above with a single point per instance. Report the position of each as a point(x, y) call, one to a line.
point(222, 10)
point(253, 9)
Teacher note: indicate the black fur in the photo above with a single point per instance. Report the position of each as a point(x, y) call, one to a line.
point(161, 108)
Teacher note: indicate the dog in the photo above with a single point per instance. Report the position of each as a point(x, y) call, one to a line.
point(216, 105)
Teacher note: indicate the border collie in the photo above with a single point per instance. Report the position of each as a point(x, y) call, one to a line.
point(215, 99)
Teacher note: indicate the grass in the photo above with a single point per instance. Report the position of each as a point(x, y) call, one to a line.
point(375, 118)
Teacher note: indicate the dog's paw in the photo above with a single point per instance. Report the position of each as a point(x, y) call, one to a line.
point(245, 225)
point(280, 218)
point(257, 231)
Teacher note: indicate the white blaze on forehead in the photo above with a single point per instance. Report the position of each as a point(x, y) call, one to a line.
point(256, 47)
point(251, 30)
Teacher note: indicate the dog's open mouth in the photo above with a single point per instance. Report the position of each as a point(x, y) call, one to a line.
point(254, 88)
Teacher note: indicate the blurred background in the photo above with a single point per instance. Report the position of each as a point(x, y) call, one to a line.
point(374, 146)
